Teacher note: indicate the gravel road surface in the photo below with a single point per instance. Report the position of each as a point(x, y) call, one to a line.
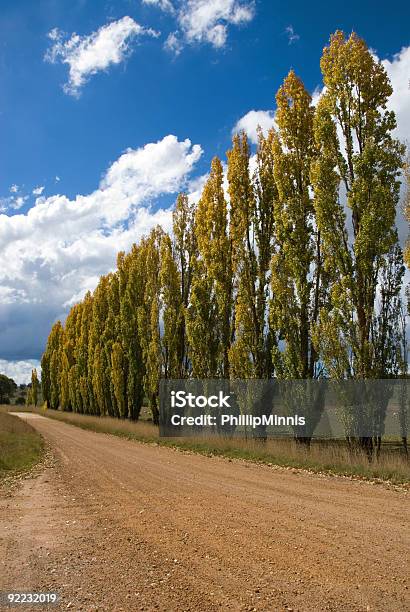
point(112, 524)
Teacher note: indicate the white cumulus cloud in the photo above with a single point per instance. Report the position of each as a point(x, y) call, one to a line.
point(208, 20)
point(37, 191)
point(398, 70)
point(250, 122)
point(204, 21)
point(59, 248)
point(87, 55)
point(19, 371)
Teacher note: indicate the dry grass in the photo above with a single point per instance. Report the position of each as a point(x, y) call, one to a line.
point(330, 457)
point(20, 445)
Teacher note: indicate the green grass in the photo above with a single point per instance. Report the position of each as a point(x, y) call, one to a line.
point(330, 457)
point(21, 447)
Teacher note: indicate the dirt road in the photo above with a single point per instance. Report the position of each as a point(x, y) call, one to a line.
point(116, 525)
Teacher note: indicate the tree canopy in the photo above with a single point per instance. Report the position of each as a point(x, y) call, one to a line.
point(7, 388)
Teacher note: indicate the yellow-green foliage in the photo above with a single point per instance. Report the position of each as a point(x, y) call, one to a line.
point(214, 246)
point(358, 154)
point(297, 280)
point(262, 277)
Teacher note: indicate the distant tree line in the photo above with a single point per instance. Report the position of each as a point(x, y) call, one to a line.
point(7, 389)
point(29, 394)
point(297, 274)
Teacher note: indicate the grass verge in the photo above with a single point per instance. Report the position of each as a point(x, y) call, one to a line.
point(330, 458)
point(21, 447)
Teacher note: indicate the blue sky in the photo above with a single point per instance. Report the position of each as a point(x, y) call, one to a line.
point(142, 76)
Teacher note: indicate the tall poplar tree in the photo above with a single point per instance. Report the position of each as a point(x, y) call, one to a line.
point(214, 247)
point(252, 202)
point(185, 252)
point(82, 355)
point(118, 377)
point(148, 318)
point(359, 161)
point(98, 358)
point(406, 207)
point(110, 338)
point(131, 296)
point(75, 329)
point(54, 347)
point(45, 375)
point(202, 333)
point(172, 312)
point(35, 386)
point(67, 357)
point(297, 285)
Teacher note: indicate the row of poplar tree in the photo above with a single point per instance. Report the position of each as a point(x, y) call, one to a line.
point(295, 272)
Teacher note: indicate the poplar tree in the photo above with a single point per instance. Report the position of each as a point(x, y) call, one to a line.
point(131, 301)
point(67, 357)
point(29, 397)
point(202, 332)
point(118, 376)
point(185, 252)
point(45, 375)
point(100, 366)
point(359, 161)
point(35, 385)
point(252, 202)
point(148, 318)
point(99, 381)
point(214, 247)
point(406, 207)
point(73, 377)
point(82, 355)
point(172, 313)
point(298, 290)
point(297, 286)
point(54, 346)
point(110, 338)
